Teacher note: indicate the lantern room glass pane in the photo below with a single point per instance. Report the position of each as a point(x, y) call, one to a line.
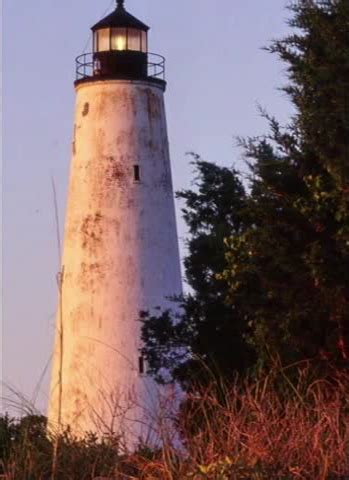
point(103, 40)
point(134, 39)
point(118, 39)
point(95, 41)
point(144, 42)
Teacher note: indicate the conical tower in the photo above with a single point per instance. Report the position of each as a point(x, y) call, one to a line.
point(120, 252)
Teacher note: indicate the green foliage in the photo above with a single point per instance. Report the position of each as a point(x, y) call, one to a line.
point(204, 339)
point(289, 271)
point(24, 444)
point(87, 457)
point(318, 66)
point(27, 452)
point(228, 469)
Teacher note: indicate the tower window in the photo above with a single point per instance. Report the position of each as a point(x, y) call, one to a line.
point(141, 365)
point(137, 173)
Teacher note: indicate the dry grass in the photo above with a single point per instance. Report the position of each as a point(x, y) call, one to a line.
point(271, 429)
point(302, 432)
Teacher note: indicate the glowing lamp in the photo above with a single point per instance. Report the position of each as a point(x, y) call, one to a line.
point(120, 43)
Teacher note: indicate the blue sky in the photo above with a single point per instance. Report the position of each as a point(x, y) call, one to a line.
point(217, 74)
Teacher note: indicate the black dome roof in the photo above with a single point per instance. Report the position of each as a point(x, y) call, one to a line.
point(120, 18)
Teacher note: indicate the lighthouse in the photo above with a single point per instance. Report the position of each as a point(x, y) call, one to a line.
point(120, 254)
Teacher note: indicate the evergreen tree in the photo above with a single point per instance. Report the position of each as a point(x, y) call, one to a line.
point(290, 270)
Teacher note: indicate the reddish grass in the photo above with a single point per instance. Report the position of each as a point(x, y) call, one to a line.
point(302, 432)
point(270, 429)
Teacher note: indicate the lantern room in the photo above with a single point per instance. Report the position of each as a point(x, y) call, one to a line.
point(120, 45)
point(120, 51)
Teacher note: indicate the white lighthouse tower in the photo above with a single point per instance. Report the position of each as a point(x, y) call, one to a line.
point(120, 247)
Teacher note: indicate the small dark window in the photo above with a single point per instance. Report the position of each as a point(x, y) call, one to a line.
point(137, 173)
point(141, 365)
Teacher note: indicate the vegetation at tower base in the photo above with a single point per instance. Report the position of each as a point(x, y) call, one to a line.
point(26, 452)
point(269, 266)
point(262, 431)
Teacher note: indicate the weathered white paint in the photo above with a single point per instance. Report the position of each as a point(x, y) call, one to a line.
point(120, 256)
